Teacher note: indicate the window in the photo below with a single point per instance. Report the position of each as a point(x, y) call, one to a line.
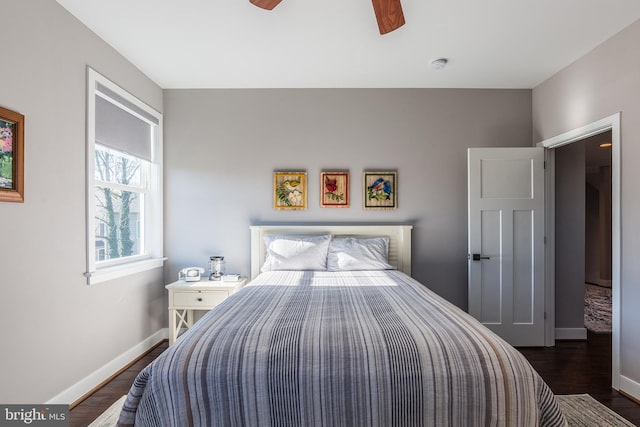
point(124, 182)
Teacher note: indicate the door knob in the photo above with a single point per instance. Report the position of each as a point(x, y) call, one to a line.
point(478, 257)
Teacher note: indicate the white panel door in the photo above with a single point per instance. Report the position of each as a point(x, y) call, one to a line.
point(506, 242)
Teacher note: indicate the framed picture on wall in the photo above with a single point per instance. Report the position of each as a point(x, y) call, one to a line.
point(290, 190)
point(380, 190)
point(11, 156)
point(334, 189)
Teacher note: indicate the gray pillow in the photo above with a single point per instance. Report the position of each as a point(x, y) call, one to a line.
point(351, 253)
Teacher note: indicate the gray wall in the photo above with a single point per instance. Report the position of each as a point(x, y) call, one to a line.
point(570, 235)
point(222, 146)
point(56, 329)
point(592, 235)
point(598, 210)
point(604, 82)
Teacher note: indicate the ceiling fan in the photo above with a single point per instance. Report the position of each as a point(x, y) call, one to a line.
point(388, 12)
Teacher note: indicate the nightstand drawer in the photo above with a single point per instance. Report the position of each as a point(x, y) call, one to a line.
point(195, 299)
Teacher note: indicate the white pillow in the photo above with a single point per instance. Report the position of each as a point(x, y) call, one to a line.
point(296, 252)
point(351, 253)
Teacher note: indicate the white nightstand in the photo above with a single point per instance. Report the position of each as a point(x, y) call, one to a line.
point(185, 297)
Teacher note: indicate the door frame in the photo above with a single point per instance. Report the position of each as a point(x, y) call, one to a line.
point(610, 123)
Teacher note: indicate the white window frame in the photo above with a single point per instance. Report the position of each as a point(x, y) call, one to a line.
point(101, 271)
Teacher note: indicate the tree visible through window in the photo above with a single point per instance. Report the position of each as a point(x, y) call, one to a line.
point(118, 207)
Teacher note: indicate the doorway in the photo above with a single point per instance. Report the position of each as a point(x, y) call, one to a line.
point(611, 123)
point(583, 236)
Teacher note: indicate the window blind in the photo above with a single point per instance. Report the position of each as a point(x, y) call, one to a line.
point(125, 127)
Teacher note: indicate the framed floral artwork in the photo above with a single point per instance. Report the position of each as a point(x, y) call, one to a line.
point(11, 156)
point(289, 190)
point(380, 190)
point(334, 189)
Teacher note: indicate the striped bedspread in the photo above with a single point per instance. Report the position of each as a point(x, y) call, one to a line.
point(339, 349)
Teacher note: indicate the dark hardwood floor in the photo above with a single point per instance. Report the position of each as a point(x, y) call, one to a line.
point(577, 367)
point(89, 409)
point(571, 367)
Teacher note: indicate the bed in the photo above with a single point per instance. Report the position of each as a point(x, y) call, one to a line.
point(363, 344)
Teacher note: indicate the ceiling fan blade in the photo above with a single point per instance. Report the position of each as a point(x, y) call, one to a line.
point(266, 4)
point(388, 14)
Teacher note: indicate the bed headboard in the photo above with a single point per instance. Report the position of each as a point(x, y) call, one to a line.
point(399, 240)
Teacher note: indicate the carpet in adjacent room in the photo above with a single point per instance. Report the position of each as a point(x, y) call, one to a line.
point(597, 308)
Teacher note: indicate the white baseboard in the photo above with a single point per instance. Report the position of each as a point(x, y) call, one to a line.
point(84, 386)
point(630, 387)
point(571, 333)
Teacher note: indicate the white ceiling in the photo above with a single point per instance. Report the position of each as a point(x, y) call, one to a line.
point(336, 43)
